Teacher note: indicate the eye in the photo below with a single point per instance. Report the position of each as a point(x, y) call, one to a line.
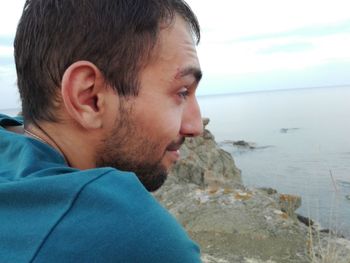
point(183, 93)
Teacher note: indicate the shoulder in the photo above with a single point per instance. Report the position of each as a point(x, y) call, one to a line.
point(115, 218)
point(10, 121)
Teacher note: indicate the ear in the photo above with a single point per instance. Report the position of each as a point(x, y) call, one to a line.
point(83, 92)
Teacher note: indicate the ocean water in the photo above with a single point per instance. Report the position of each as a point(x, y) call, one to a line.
point(302, 145)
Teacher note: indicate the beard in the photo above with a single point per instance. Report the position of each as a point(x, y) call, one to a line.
point(127, 149)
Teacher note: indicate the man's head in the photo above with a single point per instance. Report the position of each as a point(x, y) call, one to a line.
point(120, 74)
point(117, 36)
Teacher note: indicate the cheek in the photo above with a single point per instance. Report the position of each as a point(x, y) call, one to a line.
point(166, 126)
point(158, 117)
point(161, 125)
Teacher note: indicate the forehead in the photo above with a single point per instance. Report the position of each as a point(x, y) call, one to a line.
point(175, 48)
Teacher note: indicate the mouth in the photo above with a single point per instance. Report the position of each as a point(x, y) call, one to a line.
point(174, 149)
point(175, 146)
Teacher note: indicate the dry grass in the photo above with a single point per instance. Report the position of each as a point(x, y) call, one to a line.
point(328, 248)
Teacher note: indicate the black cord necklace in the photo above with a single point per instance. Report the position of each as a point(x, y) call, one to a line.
point(44, 141)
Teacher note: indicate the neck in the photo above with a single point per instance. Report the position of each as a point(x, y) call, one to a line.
point(37, 132)
point(75, 145)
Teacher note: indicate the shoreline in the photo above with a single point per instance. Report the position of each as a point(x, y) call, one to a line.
point(240, 147)
point(235, 223)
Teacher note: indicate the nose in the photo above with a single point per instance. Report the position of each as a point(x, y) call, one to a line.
point(191, 124)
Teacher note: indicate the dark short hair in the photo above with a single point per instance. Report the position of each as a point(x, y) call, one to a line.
point(118, 36)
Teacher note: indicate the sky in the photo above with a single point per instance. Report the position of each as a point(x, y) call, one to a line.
point(246, 45)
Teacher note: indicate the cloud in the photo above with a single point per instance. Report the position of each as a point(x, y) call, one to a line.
point(9, 94)
point(10, 12)
point(6, 41)
point(7, 61)
point(6, 51)
point(330, 73)
point(309, 31)
point(287, 48)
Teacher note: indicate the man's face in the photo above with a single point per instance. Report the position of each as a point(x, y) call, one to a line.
point(151, 127)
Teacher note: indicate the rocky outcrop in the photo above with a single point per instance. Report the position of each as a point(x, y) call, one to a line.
point(205, 164)
point(242, 146)
point(234, 224)
point(287, 130)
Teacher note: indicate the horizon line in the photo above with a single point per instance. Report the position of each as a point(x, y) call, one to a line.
point(274, 90)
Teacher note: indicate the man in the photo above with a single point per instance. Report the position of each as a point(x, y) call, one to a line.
point(108, 96)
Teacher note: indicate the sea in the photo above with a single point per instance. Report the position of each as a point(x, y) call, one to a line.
point(300, 145)
point(298, 142)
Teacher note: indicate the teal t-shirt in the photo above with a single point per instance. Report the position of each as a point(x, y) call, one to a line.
point(50, 212)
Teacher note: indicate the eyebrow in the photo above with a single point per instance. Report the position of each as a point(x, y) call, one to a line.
point(194, 71)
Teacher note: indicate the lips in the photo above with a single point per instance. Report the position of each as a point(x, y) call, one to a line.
point(175, 146)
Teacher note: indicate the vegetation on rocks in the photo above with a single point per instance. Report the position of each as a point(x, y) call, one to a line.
point(232, 223)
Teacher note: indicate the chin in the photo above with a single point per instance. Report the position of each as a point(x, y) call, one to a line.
point(154, 182)
point(168, 164)
point(170, 159)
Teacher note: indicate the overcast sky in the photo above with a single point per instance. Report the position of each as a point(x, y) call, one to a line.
point(246, 45)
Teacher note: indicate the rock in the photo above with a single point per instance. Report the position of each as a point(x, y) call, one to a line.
point(286, 130)
point(241, 144)
point(305, 220)
point(232, 223)
point(205, 164)
point(289, 203)
point(268, 190)
point(205, 122)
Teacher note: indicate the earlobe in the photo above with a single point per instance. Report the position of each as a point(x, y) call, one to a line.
point(83, 91)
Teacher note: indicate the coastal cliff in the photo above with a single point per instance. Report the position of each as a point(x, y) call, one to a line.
point(232, 223)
